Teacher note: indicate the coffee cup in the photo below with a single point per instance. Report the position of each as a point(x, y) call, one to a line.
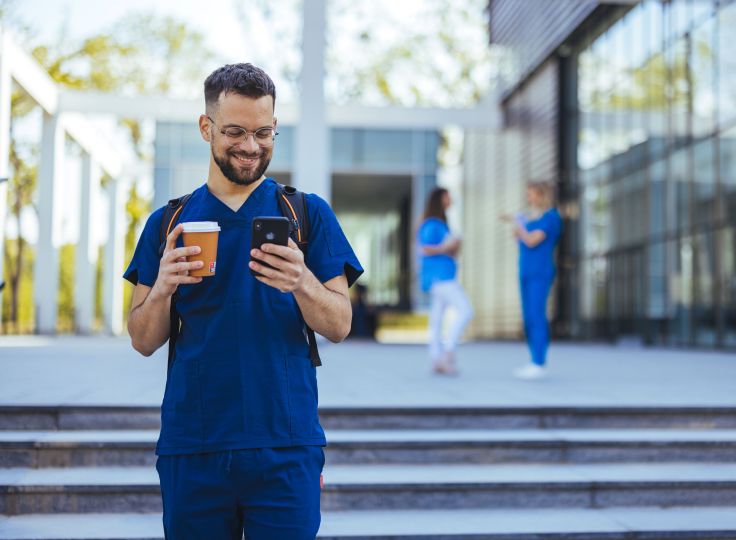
point(203, 234)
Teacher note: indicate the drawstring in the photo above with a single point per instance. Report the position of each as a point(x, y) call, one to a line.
point(229, 460)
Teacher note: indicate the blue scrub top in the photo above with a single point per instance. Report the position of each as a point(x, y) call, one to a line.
point(539, 260)
point(435, 267)
point(241, 376)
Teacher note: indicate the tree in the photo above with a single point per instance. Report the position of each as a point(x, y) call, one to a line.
point(436, 54)
point(20, 193)
point(382, 52)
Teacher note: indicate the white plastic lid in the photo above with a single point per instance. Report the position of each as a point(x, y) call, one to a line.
point(201, 226)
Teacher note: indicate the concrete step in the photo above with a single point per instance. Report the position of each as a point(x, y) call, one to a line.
point(86, 448)
point(114, 417)
point(550, 524)
point(392, 487)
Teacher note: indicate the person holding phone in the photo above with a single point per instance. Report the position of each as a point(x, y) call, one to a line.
point(439, 249)
point(240, 449)
point(537, 233)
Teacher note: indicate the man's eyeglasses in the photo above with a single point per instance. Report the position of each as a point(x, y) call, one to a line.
point(237, 135)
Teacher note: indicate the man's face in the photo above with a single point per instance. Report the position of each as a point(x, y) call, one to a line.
point(241, 162)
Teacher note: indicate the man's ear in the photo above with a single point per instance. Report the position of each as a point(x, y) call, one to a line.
point(275, 122)
point(204, 127)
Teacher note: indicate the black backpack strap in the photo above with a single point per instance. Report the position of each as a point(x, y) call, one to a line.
point(172, 211)
point(293, 205)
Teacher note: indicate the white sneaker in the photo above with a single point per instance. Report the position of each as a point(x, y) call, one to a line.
point(530, 372)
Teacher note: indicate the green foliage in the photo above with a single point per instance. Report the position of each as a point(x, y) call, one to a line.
point(99, 285)
point(655, 85)
point(88, 66)
point(438, 56)
point(65, 320)
point(18, 318)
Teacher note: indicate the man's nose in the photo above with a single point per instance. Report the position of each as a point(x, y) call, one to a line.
point(249, 144)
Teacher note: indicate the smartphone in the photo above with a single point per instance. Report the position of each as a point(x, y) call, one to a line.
point(269, 230)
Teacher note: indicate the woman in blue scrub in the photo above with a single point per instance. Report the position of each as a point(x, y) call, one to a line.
point(537, 232)
point(438, 275)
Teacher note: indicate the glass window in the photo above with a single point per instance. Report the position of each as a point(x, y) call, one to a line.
point(702, 62)
point(681, 292)
point(704, 189)
point(657, 197)
point(344, 144)
point(387, 149)
point(657, 282)
point(679, 91)
point(727, 151)
point(596, 218)
point(703, 306)
point(728, 285)
point(653, 26)
point(702, 9)
point(652, 80)
point(679, 194)
point(679, 18)
point(726, 64)
point(594, 297)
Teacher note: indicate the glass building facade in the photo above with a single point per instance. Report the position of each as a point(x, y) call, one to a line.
point(630, 108)
point(655, 176)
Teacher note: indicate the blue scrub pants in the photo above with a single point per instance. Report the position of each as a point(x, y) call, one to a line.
point(534, 293)
point(262, 493)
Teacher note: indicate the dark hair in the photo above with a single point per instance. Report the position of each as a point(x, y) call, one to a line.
point(435, 208)
point(242, 79)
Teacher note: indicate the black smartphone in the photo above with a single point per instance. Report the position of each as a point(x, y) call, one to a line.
point(268, 230)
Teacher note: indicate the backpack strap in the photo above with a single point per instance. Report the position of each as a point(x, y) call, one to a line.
point(293, 205)
point(172, 211)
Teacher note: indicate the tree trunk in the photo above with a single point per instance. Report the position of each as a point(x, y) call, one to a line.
point(15, 273)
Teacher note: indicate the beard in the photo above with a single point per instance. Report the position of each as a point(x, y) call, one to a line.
point(242, 176)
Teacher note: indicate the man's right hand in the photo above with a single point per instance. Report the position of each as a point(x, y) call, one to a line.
point(174, 269)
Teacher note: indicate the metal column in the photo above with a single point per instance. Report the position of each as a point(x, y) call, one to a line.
point(114, 253)
point(46, 274)
point(312, 170)
point(86, 251)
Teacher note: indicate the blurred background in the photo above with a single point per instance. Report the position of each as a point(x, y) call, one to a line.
point(627, 106)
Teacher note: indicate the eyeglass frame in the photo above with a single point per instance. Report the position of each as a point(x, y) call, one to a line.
point(246, 132)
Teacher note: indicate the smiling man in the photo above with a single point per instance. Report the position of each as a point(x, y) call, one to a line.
point(240, 448)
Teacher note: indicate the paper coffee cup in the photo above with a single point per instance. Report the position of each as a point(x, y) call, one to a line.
point(203, 234)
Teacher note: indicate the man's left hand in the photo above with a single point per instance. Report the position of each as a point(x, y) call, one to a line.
point(288, 272)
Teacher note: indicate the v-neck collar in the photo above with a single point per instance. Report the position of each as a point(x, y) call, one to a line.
point(250, 206)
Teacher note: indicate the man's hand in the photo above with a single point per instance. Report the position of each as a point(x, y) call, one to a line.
point(174, 269)
point(288, 272)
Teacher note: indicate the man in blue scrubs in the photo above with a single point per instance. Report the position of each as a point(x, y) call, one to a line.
point(240, 449)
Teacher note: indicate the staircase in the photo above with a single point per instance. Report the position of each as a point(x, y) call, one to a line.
point(404, 473)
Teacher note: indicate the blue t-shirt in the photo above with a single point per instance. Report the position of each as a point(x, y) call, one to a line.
point(435, 268)
point(241, 376)
point(539, 260)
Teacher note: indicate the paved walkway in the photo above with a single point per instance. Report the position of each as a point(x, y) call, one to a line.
point(102, 371)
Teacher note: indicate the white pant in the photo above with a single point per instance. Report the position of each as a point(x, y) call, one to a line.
point(446, 294)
